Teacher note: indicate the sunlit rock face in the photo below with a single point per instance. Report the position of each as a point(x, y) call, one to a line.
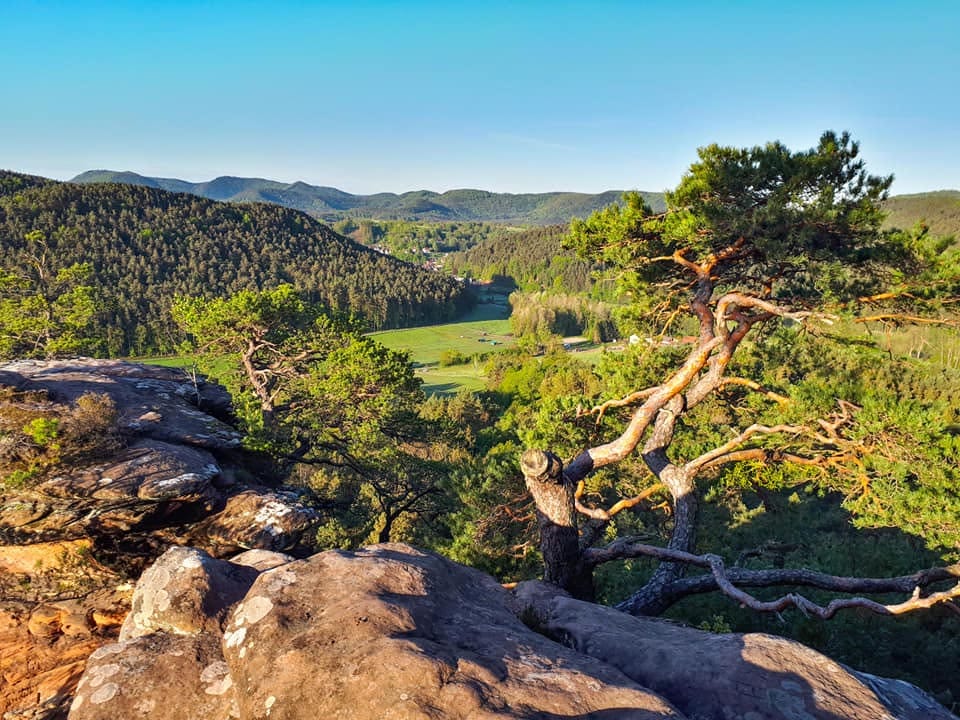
point(172, 477)
point(394, 632)
point(76, 532)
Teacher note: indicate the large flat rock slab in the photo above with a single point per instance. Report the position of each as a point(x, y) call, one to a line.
point(721, 676)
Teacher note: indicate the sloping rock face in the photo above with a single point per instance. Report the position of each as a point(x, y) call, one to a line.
point(388, 632)
point(717, 677)
point(171, 477)
point(393, 632)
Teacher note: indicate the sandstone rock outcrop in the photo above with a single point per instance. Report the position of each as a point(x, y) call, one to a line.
point(170, 475)
point(720, 676)
point(77, 530)
point(394, 632)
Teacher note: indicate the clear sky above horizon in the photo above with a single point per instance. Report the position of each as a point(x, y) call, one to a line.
point(506, 96)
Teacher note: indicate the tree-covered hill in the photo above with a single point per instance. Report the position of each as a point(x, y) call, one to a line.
point(11, 183)
point(533, 259)
point(939, 210)
point(146, 245)
point(331, 204)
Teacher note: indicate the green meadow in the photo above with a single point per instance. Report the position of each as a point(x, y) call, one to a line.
point(485, 330)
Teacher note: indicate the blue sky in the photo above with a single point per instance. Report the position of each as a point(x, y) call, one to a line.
point(506, 96)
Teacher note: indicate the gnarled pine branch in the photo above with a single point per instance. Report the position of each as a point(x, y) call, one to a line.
point(728, 582)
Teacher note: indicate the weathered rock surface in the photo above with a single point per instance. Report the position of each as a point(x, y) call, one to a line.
point(717, 677)
point(393, 632)
point(185, 592)
point(149, 676)
point(172, 481)
point(156, 402)
point(389, 632)
point(170, 473)
point(45, 648)
point(169, 477)
point(257, 519)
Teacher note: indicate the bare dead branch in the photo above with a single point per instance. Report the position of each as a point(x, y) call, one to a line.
point(707, 458)
point(619, 506)
point(728, 252)
point(727, 581)
point(756, 387)
point(600, 410)
point(899, 319)
point(679, 257)
point(892, 295)
point(614, 451)
point(766, 455)
point(731, 300)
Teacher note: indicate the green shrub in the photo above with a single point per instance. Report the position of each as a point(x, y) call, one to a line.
point(38, 436)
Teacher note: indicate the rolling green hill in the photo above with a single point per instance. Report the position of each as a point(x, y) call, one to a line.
point(146, 245)
point(331, 204)
point(533, 259)
point(939, 210)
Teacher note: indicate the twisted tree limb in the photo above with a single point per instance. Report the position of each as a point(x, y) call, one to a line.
point(728, 582)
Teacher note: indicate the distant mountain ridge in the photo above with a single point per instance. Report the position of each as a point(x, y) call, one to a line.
point(939, 209)
point(331, 204)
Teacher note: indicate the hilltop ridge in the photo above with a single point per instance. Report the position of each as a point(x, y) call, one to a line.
point(939, 209)
point(145, 245)
point(330, 203)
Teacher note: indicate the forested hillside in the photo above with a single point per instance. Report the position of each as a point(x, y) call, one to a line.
point(332, 204)
point(534, 259)
point(940, 211)
point(144, 246)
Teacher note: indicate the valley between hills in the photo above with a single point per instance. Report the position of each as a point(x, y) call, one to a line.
point(455, 441)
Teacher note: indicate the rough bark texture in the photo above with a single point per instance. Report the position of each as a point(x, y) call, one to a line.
point(553, 495)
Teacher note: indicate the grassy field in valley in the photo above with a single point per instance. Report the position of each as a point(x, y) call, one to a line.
point(484, 330)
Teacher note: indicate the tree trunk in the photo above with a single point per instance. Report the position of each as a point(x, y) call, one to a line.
point(649, 600)
point(553, 495)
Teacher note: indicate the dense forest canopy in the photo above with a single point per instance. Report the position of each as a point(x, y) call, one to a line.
point(419, 241)
point(144, 246)
point(532, 260)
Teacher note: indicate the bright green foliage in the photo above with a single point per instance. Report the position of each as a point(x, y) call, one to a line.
point(801, 227)
point(337, 411)
point(541, 314)
point(899, 466)
point(45, 311)
point(42, 431)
